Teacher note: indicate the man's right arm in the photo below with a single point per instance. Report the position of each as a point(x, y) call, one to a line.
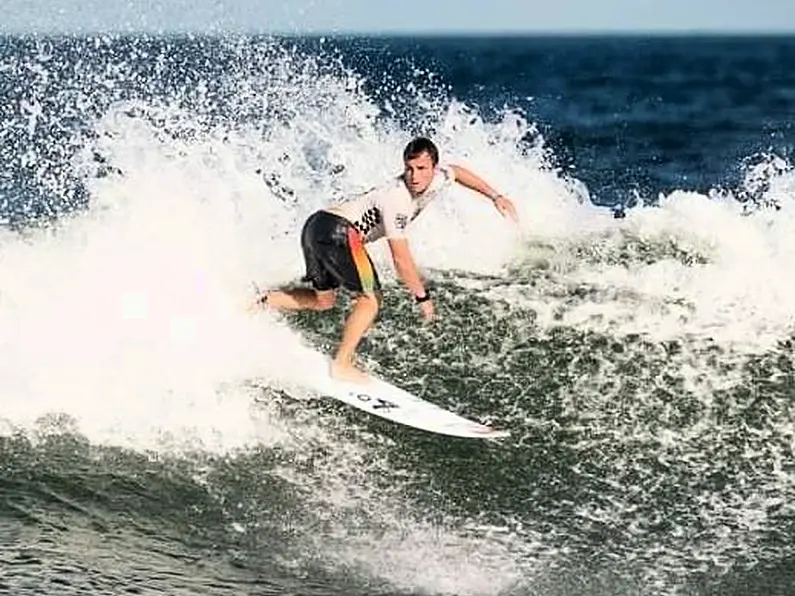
point(407, 271)
point(405, 266)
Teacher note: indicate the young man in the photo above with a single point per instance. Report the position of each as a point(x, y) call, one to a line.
point(333, 242)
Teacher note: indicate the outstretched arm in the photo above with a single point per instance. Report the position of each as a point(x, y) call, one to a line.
point(474, 182)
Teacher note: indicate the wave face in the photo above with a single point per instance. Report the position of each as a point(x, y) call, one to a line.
point(634, 332)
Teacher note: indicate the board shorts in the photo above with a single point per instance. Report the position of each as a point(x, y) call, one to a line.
point(335, 255)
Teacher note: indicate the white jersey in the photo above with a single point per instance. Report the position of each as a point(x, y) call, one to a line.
point(386, 211)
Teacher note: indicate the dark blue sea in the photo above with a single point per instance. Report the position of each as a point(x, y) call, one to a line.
point(634, 331)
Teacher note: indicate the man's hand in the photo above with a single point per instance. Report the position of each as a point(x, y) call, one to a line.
point(428, 311)
point(506, 208)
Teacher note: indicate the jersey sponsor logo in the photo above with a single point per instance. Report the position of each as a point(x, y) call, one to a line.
point(401, 221)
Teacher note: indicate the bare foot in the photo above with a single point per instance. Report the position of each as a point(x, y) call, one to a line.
point(349, 373)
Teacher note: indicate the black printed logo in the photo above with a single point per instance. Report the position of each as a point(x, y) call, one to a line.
point(401, 221)
point(370, 219)
point(378, 402)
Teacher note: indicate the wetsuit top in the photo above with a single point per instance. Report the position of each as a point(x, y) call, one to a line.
point(387, 210)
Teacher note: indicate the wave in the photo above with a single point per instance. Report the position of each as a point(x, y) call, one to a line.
point(641, 361)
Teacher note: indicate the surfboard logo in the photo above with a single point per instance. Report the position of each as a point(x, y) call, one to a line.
point(378, 403)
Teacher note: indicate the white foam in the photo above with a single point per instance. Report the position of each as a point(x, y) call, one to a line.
point(730, 286)
point(131, 317)
point(370, 528)
point(413, 555)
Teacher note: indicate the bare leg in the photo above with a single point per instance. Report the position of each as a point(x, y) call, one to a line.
point(301, 299)
point(359, 320)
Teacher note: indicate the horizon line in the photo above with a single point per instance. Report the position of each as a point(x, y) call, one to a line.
point(549, 32)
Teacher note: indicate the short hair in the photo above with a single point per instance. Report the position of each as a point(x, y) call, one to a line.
point(421, 145)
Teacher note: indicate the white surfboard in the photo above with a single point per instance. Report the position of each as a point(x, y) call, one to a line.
point(383, 399)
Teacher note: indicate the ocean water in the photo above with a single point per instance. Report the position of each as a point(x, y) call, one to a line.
point(634, 331)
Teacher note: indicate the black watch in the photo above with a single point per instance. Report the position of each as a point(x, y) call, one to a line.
point(424, 298)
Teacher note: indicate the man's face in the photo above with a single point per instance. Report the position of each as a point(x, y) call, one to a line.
point(418, 173)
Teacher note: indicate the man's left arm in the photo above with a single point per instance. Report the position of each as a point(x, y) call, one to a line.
point(474, 182)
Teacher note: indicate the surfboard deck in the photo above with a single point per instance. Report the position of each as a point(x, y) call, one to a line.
point(380, 398)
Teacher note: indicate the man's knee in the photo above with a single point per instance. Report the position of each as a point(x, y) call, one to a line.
point(371, 299)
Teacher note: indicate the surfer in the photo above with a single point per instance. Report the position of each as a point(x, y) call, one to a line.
point(333, 242)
